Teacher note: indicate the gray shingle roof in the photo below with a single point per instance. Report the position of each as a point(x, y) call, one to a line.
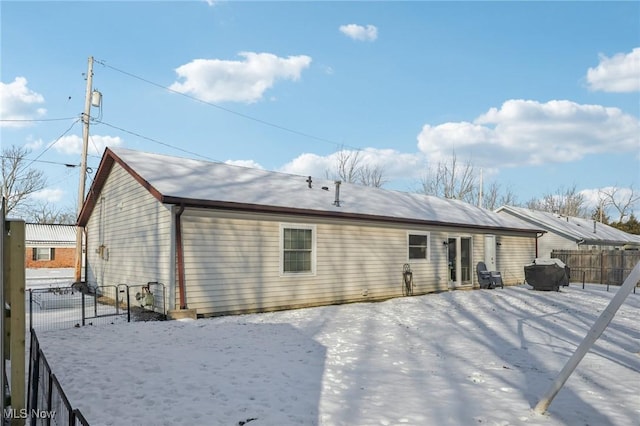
point(175, 180)
point(576, 228)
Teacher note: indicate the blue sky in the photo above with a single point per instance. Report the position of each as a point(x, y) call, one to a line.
point(540, 95)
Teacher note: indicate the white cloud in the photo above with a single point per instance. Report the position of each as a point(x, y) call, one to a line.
point(52, 195)
point(215, 80)
point(308, 164)
point(245, 163)
point(620, 73)
point(72, 144)
point(18, 102)
point(358, 32)
point(33, 144)
point(528, 133)
point(394, 164)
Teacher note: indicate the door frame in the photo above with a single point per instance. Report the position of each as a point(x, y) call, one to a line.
point(455, 268)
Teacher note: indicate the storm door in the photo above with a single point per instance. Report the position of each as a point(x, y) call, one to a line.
point(460, 262)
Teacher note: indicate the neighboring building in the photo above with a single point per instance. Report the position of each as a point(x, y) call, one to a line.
point(571, 233)
point(50, 246)
point(226, 239)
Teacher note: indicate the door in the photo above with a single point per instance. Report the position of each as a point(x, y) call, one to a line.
point(490, 252)
point(459, 249)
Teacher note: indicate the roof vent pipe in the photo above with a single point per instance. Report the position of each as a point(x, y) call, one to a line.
point(337, 200)
point(594, 226)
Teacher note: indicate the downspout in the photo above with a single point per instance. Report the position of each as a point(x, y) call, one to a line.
point(180, 255)
point(538, 235)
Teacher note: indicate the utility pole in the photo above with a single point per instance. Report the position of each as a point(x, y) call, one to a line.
point(86, 116)
point(480, 191)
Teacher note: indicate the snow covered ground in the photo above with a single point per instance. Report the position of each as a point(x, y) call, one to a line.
point(456, 358)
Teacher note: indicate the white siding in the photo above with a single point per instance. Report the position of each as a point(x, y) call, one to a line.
point(128, 235)
point(232, 262)
point(552, 241)
point(512, 254)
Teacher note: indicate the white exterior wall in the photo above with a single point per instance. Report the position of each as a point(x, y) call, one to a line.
point(551, 241)
point(232, 262)
point(128, 236)
point(512, 254)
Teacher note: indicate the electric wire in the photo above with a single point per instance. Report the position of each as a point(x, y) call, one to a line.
point(33, 120)
point(54, 142)
point(230, 111)
point(41, 161)
point(159, 142)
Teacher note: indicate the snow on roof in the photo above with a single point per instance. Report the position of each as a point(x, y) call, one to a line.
point(192, 182)
point(577, 228)
point(54, 235)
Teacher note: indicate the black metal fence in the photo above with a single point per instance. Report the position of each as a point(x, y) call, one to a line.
point(47, 404)
point(79, 304)
point(74, 306)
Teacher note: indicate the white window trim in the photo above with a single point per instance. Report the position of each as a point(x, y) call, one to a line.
point(47, 249)
point(284, 226)
point(428, 235)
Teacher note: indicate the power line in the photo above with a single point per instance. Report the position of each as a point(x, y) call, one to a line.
point(54, 142)
point(40, 161)
point(33, 120)
point(158, 142)
point(230, 111)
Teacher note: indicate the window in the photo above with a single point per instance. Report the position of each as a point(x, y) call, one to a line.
point(298, 249)
point(43, 253)
point(418, 246)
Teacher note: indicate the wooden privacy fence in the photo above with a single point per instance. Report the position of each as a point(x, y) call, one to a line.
point(599, 266)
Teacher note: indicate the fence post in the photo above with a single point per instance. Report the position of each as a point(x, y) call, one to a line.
point(34, 374)
point(30, 310)
point(84, 314)
point(95, 303)
point(49, 392)
point(128, 305)
point(583, 275)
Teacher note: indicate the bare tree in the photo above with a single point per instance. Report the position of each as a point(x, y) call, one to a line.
point(494, 197)
point(18, 179)
point(567, 202)
point(622, 201)
point(372, 176)
point(348, 164)
point(451, 180)
point(46, 213)
point(350, 168)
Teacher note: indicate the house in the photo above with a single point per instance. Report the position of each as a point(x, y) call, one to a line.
point(226, 239)
point(571, 233)
point(50, 246)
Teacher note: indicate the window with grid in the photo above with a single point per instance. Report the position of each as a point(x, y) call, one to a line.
point(418, 246)
point(297, 249)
